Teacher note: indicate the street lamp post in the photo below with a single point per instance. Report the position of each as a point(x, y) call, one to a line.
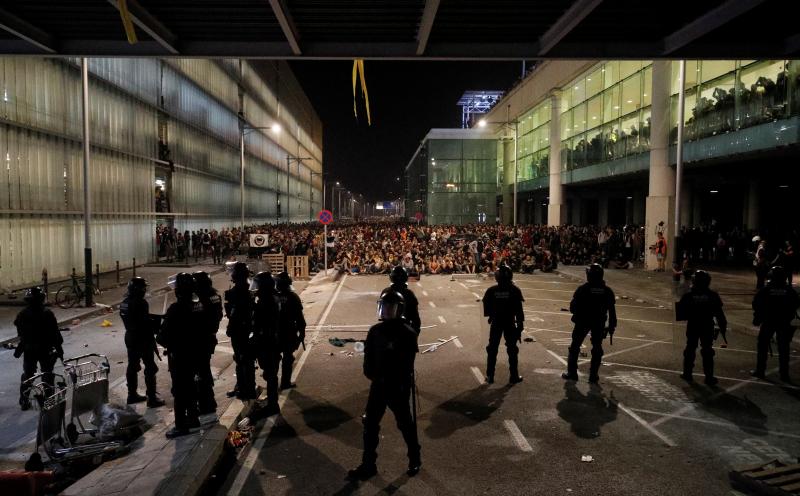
point(507, 124)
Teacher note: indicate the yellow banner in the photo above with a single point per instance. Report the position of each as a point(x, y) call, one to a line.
point(358, 75)
point(130, 31)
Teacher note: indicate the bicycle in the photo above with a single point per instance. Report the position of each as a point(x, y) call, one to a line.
point(67, 296)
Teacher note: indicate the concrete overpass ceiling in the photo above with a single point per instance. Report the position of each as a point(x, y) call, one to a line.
point(407, 29)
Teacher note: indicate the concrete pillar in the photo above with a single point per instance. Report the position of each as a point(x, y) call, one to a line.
point(686, 205)
point(509, 163)
point(557, 207)
point(602, 210)
point(751, 221)
point(660, 205)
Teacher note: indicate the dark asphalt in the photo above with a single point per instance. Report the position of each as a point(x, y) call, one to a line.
point(647, 431)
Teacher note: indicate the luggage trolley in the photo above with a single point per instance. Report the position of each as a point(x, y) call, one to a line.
point(51, 400)
point(88, 376)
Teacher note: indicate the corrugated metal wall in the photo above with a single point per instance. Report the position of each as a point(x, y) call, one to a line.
point(197, 101)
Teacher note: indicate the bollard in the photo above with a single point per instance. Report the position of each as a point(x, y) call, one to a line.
point(45, 285)
point(97, 274)
point(117, 272)
point(134, 267)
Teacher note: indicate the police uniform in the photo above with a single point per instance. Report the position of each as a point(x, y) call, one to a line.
point(774, 308)
point(699, 307)
point(179, 336)
point(140, 341)
point(411, 308)
point(266, 343)
point(212, 315)
point(591, 303)
point(39, 343)
point(389, 353)
point(239, 310)
point(292, 332)
point(502, 303)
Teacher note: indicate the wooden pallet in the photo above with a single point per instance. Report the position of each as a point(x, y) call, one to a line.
point(274, 261)
point(773, 478)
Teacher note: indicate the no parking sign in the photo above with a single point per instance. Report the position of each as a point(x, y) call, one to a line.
point(325, 217)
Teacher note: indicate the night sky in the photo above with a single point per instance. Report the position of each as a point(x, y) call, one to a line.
point(406, 100)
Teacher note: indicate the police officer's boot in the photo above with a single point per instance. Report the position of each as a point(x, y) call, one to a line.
point(572, 365)
point(153, 401)
point(708, 367)
point(491, 362)
point(133, 385)
point(513, 366)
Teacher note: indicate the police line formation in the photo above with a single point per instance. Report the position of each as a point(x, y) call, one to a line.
point(266, 325)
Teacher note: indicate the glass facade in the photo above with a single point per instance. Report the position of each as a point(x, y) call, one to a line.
point(453, 181)
point(533, 147)
point(728, 95)
point(605, 113)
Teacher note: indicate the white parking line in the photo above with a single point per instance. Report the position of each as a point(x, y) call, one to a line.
point(617, 305)
point(464, 285)
point(632, 348)
point(258, 445)
point(457, 343)
point(441, 319)
point(424, 293)
point(419, 284)
point(478, 375)
point(567, 314)
point(517, 436)
point(650, 427)
point(476, 295)
point(734, 379)
point(432, 304)
point(557, 357)
point(731, 425)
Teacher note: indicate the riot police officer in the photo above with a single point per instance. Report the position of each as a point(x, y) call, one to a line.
point(502, 304)
point(774, 307)
point(700, 306)
point(292, 326)
point(212, 315)
point(178, 335)
point(592, 303)
point(140, 341)
point(39, 342)
point(389, 353)
point(239, 310)
point(399, 279)
point(265, 335)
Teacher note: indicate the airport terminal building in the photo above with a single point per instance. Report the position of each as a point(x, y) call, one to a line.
point(168, 139)
point(591, 142)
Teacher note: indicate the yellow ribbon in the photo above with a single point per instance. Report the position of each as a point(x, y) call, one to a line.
point(130, 31)
point(358, 74)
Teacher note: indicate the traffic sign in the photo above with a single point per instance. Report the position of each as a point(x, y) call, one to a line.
point(418, 216)
point(325, 217)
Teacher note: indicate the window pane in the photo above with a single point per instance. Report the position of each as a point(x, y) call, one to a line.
point(629, 133)
point(579, 118)
point(594, 83)
point(715, 109)
point(628, 67)
point(610, 74)
point(594, 112)
point(644, 135)
point(762, 96)
point(594, 151)
point(647, 87)
point(611, 104)
point(692, 73)
point(566, 125)
point(631, 94)
point(712, 69)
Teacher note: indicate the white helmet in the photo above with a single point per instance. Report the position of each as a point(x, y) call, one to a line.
point(756, 239)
